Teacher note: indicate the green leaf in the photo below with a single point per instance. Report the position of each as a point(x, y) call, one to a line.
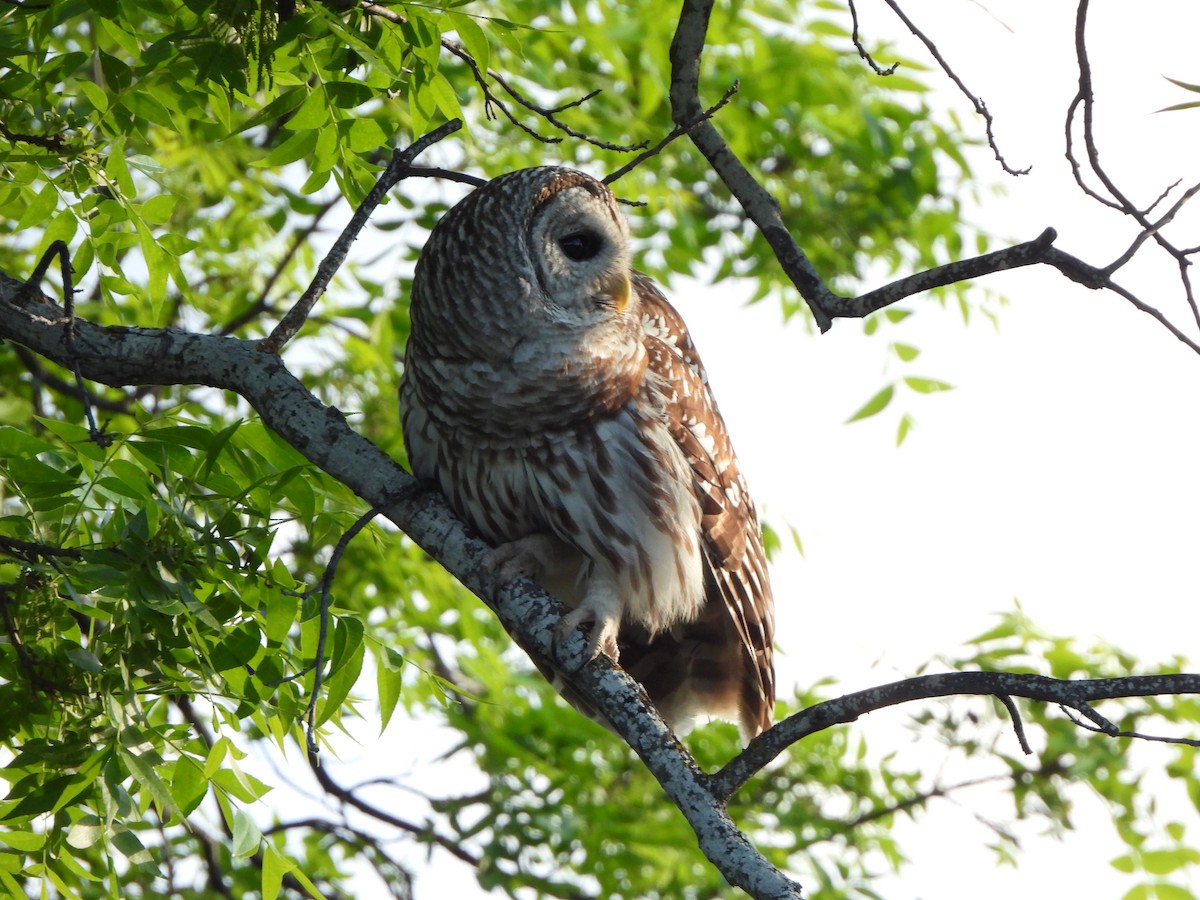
point(444, 97)
point(40, 208)
point(389, 682)
point(85, 833)
point(62, 228)
point(473, 38)
point(874, 406)
point(238, 647)
point(143, 773)
point(906, 352)
point(275, 110)
point(1163, 862)
point(313, 113)
point(1192, 105)
point(25, 841)
point(347, 665)
point(274, 867)
point(927, 385)
point(1194, 88)
point(365, 134)
point(18, 442)
point(298, 146)
point(246, 836)
point(84, 659)
point(281, 613)
point(157, 210)
point(94, 93)
point(131, 847)
point(188, 785)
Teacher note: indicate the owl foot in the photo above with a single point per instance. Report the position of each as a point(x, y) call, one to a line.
point(601, 610)
point(528, 557)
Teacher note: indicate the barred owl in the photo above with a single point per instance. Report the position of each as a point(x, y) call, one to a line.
point(557, 399)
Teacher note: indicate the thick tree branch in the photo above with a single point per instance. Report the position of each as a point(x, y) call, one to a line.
point(686, 108)
point(121, 356)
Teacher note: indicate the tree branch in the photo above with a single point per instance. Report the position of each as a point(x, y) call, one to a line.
point(396, 171)
point(1072, 694)
point(762, 209)
point(976, 101)
point(121, 356)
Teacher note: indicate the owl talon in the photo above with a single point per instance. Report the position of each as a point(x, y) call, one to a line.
point(601, 632)
point(528, 557)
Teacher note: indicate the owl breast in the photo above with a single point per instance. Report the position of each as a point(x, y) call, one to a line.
point(611, 488)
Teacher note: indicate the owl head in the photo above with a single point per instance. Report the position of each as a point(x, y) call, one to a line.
point(540, 251)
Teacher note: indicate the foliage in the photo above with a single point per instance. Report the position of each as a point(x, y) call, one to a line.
point(156, 593)
point(1191, 104)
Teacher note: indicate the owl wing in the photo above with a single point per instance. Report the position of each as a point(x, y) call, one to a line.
point(722, 663)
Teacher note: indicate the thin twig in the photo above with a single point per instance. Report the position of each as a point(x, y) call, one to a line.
point(677, 132)
point(446, 174)
point(60, 250)
point(862, 51)
point(317, 666)
point(396, 171)
point(977, 102)
point(426, 832)
point(1018, 725)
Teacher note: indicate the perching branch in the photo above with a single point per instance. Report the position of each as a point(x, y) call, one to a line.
point(127, 356)
point(121, 356)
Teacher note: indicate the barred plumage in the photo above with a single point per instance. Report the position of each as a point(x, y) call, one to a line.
point(557, 399)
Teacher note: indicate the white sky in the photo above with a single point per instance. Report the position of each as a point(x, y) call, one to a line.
point(1060, 471)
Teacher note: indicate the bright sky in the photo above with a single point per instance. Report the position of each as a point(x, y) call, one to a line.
point(1060, 471)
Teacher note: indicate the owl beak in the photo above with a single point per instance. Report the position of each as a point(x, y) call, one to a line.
point(617, 288)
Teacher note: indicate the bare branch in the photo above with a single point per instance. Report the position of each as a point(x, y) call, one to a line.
point(56, 143)
point(686, 109)
point(1074, 694)
point(977, 102)
point(677, 132)
point(396, 171)
point(762, 209)
point(29, 551)
point(446, 174)
point(862, 51)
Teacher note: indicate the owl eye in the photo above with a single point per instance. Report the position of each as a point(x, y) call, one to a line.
point(581, 245)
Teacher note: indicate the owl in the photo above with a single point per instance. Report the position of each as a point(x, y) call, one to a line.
point(556, 397)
